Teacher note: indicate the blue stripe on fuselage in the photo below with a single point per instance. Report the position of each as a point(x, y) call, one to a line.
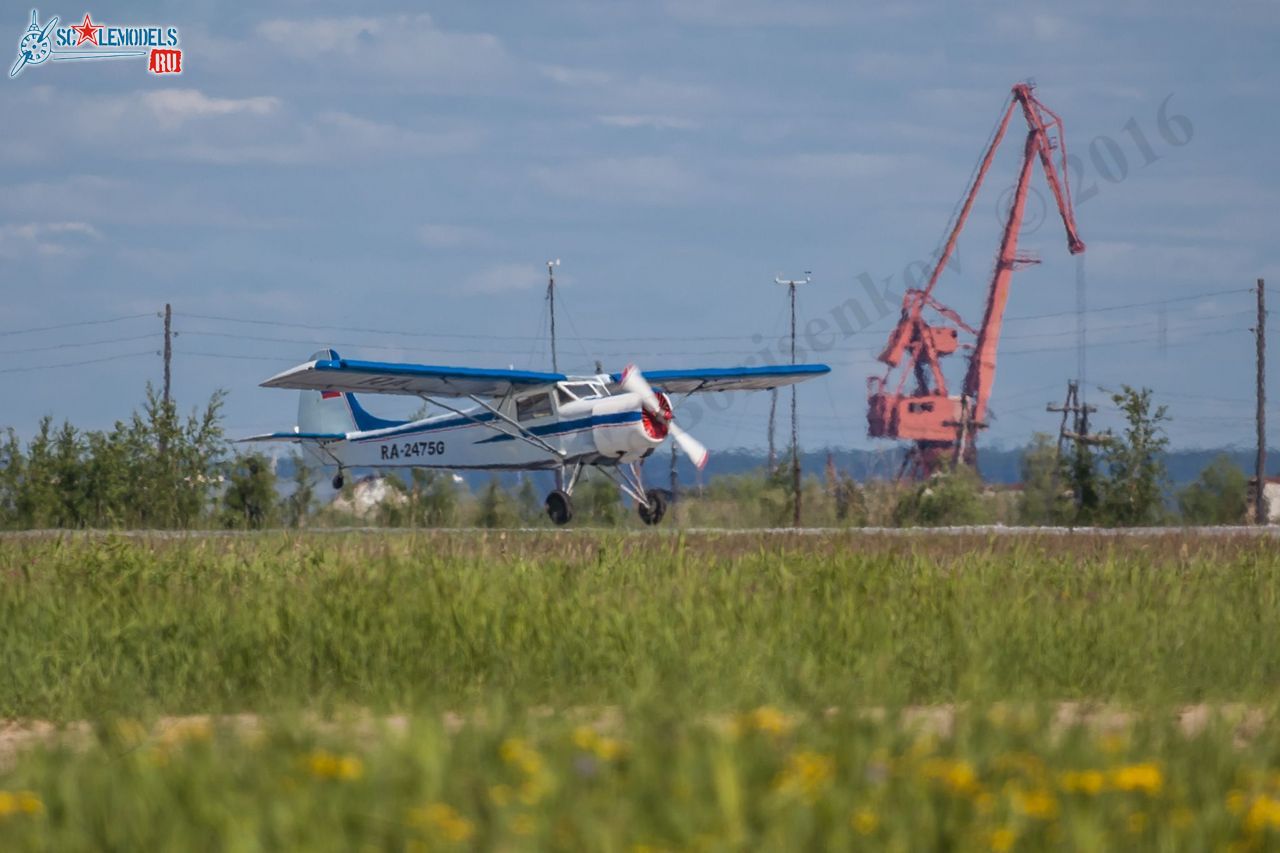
point(573, 425)
point(450, 423)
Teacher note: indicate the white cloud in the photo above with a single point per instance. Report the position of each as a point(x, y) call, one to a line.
point(399, 49)
point(191, 125)
point(46, 238)
point(626, 94)
point(502, 278)
point(171, 107)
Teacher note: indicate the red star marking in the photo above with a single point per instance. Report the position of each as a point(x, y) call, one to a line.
point(87, 32)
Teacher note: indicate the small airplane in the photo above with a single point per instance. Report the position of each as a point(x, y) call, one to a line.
point(520, 420)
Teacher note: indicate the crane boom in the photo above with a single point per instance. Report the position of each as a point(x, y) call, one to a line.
point(945, 427)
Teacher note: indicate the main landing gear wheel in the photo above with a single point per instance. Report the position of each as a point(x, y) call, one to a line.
point(559, 507)
point(657, 506)
point(338, 481)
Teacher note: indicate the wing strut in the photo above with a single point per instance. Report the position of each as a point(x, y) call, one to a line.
point(521, 433)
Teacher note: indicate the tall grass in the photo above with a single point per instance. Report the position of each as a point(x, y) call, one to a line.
point(759, 780)
point(90, 628)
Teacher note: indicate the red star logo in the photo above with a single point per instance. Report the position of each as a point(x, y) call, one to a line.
point(87, 32)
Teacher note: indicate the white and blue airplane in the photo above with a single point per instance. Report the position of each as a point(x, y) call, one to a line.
point(518, 420)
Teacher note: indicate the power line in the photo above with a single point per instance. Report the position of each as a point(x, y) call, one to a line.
point(72, 325)
point(471, 336)
point(78, 363)
point(1132, 342)
point(81, 344)
point(1135, 304)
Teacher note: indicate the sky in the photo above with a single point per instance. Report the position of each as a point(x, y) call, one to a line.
point(393, 182)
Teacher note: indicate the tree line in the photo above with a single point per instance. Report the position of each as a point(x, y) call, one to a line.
point(160, 469)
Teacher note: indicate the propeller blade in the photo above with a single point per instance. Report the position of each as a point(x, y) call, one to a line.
point(692, 448)
point(633, 380)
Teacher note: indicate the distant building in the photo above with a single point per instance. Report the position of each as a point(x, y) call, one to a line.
point(1270, 496)
point(367, 495)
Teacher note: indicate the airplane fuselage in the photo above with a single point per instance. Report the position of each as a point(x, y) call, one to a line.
point(546, 429)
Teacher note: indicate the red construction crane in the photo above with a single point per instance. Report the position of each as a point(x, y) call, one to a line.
point(943, 427)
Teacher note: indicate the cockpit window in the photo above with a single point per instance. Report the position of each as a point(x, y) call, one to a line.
point(536, 406)
point(577, 391)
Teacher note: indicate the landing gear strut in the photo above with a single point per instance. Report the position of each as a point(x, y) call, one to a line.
point(559, 507)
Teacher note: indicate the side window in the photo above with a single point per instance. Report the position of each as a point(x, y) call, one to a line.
point(565, 396)
point(536, 406)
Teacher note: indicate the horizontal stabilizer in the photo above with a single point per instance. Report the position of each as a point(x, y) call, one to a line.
point(295, 436)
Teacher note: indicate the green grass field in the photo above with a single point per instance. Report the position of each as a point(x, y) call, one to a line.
point(571, 691)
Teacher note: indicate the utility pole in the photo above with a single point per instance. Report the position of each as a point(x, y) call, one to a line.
point(1260, 515)
point(773, 422)
point(555, 363)
point(551, 298)
point(795, 432)
point(168, 349)
point(1075, 406)
point(675, 483)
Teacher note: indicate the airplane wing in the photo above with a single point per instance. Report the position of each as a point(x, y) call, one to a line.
point(374, 377)
point(729, 378)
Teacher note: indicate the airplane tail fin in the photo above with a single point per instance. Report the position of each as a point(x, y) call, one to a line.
point(325, 416)
point(321, 412)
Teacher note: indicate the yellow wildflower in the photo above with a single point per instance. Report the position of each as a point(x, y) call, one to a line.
point(604, 748)
point(1038, 804)
point(523, 824)
point(1146, 778)
point(959, 777)
point(20, 802)
point(325, 765)
point(518, 753)
point(1237, 802)
point(806, 773)
point(1263, 813)
point(865, 821)
point(443, 820)
point(1002, 840)
point(1088, 782)
point(769, 720)
point(501, 795)
point(534, 789)
point(584, 737)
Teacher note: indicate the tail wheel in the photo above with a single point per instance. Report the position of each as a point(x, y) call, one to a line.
point(656, 508)
point(559, 508)
point(338, 481)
